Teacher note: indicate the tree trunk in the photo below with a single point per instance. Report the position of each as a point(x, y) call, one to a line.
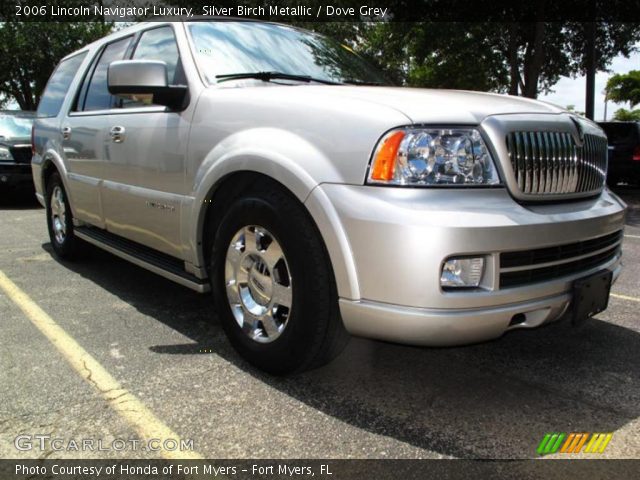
point(512, 52)
point(590, 58)
point(534, 59)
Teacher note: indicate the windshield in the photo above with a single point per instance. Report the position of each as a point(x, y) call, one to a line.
point(12, 126)
point(223, 48)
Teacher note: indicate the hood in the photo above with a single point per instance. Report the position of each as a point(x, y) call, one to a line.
point(418, 104)
point(444, 106)
point(15, 141)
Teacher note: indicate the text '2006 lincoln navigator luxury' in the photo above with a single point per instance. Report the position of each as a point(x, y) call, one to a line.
point(269, 165)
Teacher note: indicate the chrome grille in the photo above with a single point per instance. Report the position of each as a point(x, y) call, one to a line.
point(551, 163)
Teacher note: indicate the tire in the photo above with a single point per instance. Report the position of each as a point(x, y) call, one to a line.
point(273, 285)
point(60, 220)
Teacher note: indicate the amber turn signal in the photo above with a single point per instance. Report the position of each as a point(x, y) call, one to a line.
point(384, 161)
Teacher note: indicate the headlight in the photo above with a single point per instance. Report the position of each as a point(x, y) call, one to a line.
point(432, 156)
point(5, 154)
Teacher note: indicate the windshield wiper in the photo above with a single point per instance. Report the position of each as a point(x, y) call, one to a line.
point(268, 76)
point(361, 82)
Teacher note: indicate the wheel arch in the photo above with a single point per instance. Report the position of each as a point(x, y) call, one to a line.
point(52, 163)
point(322, 215)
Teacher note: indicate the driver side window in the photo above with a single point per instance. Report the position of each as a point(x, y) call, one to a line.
point(157, 44)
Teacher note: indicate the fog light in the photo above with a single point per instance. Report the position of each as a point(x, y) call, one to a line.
point(462, 272)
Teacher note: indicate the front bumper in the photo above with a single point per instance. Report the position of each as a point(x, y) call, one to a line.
point(395, 240)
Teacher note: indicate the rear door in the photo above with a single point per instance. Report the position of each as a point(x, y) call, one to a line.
point(84, 138)
point(48, 134)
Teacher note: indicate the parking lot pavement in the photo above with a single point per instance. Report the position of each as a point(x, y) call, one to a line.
point(163, 344)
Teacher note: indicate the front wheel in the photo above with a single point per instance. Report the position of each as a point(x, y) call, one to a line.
point(273, 284)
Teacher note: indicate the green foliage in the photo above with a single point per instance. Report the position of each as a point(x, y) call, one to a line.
point(624, 88)
point(523, 58)
point(624, 115)
point(29, 51)
point(572, 109)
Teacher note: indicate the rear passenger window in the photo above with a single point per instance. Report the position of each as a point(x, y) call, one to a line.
point(58, 86)
point(97, 96)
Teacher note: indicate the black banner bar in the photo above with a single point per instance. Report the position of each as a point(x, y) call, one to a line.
point(316, 469)
point(287, 11)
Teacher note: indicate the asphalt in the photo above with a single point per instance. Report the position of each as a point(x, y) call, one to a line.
point(164, 344)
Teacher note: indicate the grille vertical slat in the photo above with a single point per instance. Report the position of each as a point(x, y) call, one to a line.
point(553, 163)
point(591, 169)
point(542, 163)
point(561, 163)
point(587, 164)
point(558, 138)
point(581, 172)
point(535, 159)
point(548, 158)
point(574, 167)
point(528, 162)
point(568, 163)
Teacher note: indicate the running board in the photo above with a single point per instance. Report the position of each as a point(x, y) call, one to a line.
point(159, 263)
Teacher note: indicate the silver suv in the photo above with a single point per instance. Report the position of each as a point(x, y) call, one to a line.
point(267, 164)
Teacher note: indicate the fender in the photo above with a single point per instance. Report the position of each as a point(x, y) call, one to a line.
point(288, 159)
point(41, 162)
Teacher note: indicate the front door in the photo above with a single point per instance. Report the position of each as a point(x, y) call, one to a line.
point(144, 162)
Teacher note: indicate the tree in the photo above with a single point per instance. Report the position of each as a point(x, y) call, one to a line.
point(572, 109)
point(624, 88)
point(498, 53)
point(624, 115)
point(29, 51)
point(521, 58)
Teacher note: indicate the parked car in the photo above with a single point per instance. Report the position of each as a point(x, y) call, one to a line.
point(624, 152)
point(264, 163)
point(15, 148)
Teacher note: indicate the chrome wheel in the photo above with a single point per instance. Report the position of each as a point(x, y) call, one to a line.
point(58, 214)
point(258, 283)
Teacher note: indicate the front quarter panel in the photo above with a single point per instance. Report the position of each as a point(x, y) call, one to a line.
point(294, 134)
point(267, 151)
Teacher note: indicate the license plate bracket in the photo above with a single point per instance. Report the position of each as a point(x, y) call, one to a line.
point(591, 295)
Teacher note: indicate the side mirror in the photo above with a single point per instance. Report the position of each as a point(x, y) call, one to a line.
point(145, 77)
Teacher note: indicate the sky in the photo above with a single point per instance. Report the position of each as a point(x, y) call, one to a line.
point(571, 91)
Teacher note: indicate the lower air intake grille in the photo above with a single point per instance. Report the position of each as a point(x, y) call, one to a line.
point(531, 266)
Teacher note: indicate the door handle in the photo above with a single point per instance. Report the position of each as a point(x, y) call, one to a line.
point(117, 134)
point(66, 133)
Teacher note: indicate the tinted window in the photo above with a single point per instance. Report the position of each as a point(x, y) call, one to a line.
point(58, 86)
point(157, 44)
point(98, 96)
point(160, 44)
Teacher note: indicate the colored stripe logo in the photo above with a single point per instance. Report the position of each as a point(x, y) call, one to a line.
point(574, 443)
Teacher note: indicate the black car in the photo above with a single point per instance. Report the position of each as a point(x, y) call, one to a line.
point(15, 148)
point(624, 152)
